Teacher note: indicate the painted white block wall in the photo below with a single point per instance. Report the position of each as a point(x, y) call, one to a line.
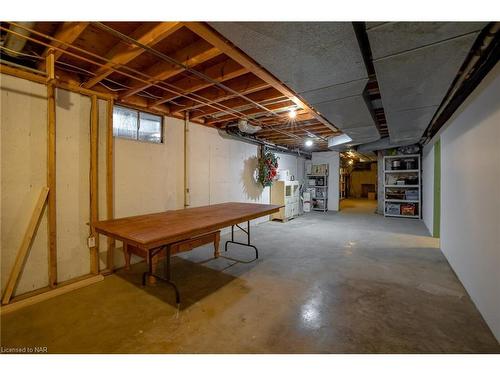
point(23, 174)
point(470, 199)
point(148, 177)
point(222, 170)
point(332, 158)
point(428, 187)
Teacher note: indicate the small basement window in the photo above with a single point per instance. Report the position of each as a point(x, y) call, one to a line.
point(137, 125)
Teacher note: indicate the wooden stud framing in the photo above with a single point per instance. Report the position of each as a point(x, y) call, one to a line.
point(68, 32)
point(44, 294)
point(51, 183)
point(110, 182)
point(50, 67)
point(23, 251)
point(94, 212)
point(38, 78)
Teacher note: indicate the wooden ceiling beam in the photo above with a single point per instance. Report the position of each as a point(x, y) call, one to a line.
point(254, 111)
point(214, 38)
point(192, 55)
point(258, 96)
point(220, 72)
point(122, 53)
point(68, 32)
point(244, 85)
point(314, 128)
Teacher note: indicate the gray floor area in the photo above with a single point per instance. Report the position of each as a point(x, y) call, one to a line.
point(346, 282)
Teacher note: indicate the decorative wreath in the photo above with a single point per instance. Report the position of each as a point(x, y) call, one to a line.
point(268, 165)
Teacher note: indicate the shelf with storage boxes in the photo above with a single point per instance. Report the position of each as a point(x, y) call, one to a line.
point(343, 183)
point(317, 186)
point(286, 193)
point(402, 181)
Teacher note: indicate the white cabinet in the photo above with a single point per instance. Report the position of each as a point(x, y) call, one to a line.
point(285, 193)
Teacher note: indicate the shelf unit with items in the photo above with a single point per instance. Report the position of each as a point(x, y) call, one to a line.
point(343, 183)
point(402, 186)
point(286, 193)
point(317, 186)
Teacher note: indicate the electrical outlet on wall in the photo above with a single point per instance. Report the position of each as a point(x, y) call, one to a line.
point(91, 241)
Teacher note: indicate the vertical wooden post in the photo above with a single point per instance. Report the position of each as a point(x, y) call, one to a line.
point(110, 181)
point(51, 184)
point(50, 67)
point(186, 172)
point(94, 213)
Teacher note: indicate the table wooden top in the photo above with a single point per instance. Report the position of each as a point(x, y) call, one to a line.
point(154, 230)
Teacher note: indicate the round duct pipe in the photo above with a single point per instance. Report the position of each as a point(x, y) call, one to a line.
point(16, 43)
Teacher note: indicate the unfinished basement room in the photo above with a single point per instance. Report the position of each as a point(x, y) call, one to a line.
point(231, 187)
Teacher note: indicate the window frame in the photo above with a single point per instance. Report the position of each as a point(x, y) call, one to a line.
point(138, 122)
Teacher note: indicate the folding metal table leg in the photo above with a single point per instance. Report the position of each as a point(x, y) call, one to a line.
point(247, 231)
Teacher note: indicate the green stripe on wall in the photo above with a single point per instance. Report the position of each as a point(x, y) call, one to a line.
point(437, 189)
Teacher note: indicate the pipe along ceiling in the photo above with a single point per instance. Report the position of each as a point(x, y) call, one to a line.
point(415, 64)
point(320, 61)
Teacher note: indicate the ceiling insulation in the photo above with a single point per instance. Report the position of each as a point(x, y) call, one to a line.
point(416, 63)
point(321, 61)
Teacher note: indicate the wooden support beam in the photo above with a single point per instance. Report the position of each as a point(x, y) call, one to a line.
point(26, 243)
point(215, 39)
point(244, 85)
point(122, 53)
point(50, 67)
point(191, 55)
point(68, 32)
point(94, 212)
point(51, 183)
point(39, 78)
point(219, 73)
point(45, 294)
point(268, 94)
point(255, 111)
point(110, 182)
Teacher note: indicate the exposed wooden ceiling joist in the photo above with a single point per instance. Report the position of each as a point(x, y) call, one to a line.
point(207, 33)
point(220, 72)
point(123, 53)
point(258, 96)
point(191, 55)
point(68, 32)
point(246, 84)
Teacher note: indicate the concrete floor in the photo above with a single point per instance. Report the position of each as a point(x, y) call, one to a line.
point(347, 282)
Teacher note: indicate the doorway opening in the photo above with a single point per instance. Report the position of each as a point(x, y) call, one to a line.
point(357, 180)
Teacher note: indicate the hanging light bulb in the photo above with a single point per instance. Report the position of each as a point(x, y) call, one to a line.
point(308, 142)
point(292, 113)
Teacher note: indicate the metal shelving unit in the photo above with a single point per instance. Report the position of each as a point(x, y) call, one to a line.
point(321, 201)
point(392, 205)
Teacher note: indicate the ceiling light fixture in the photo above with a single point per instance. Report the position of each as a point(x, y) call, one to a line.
point(292, 113)
point(308, 142)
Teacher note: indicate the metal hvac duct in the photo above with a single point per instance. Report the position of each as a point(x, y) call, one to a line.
point(14, 43)
point(382, 144)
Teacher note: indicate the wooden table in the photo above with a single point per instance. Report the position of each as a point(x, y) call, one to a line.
point(164, 231)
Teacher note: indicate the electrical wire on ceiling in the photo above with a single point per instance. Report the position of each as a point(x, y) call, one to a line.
point(173, 61)
point(152, 81)
point(158, 84)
